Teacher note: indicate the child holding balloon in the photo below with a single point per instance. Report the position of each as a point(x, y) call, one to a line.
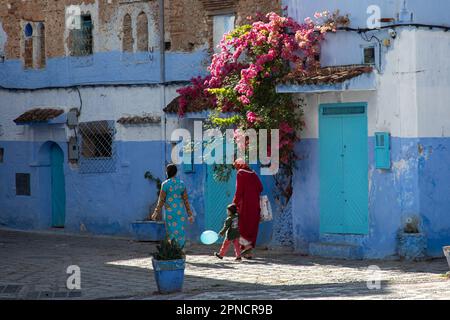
point(231, 232)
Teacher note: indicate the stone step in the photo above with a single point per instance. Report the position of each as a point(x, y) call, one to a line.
point(336, 250)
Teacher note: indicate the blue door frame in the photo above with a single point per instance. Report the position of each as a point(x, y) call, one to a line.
point(343, 168)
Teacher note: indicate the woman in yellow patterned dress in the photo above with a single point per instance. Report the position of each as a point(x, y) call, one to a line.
point(174, 198)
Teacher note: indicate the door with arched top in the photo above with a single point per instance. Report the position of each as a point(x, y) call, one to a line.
point(58, 190)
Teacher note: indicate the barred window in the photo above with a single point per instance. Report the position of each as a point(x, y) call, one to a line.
point(81, 40)
point(97, 146)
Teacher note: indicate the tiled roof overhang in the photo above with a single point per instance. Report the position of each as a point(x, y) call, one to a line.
point(329, 75)
point(136, 120)
point(40, 115)
point(339, 78)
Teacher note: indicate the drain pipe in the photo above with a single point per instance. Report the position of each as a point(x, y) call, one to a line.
point(162, 75)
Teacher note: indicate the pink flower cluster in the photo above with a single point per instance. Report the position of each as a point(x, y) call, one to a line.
point(256, 53)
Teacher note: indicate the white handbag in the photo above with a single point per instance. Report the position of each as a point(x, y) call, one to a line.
point(266, 209)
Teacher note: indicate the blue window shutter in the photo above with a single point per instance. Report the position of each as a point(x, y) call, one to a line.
point(382, 150)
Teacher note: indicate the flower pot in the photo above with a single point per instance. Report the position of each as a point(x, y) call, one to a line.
point(149, 230)
point(447, 254)
point(169, 275)
point(412, 246)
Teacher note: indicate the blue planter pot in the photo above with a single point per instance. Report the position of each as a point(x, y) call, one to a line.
point(169, 275)
point(412, 246)
point(149, 230)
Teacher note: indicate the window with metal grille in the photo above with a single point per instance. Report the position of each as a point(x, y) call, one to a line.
point(97, 146)
point(23, 184)
point(81, 40)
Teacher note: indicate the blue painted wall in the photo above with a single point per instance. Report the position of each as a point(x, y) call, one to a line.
point(416, 184)
point(103, 68)
point(97, 203)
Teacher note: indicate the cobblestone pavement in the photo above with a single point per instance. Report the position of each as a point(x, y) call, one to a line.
point(33, 266)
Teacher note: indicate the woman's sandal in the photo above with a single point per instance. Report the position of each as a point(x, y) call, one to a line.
point(245, 251)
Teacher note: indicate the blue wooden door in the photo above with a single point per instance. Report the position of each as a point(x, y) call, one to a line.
point(58, 187)
point(219, 195)
point(343, 169)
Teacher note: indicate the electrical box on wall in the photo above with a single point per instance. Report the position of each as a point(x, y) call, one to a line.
point(382, 150)
point(72, 118)
point(74, 153)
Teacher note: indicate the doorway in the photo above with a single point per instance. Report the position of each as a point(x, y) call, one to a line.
point(343, 168)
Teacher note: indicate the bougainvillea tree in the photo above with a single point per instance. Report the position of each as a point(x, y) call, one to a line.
point(242, 80)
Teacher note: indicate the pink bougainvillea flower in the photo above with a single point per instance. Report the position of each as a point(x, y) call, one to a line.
point(251, 117)
point(286, 128)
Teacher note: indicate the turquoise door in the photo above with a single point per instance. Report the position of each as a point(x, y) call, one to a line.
point(343, 168)
point(218, 195)
point(57, 187)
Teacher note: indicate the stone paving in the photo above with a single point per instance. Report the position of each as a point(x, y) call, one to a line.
point(33, 266)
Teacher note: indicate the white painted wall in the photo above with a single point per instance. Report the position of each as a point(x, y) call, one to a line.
point(393, 106)
point(433, 83)
point(426, 12)
point(99, 103)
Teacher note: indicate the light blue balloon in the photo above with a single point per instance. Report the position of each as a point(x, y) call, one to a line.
point(209, 237)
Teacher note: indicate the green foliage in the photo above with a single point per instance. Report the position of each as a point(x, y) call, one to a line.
point(169, 249)
point(149, 176)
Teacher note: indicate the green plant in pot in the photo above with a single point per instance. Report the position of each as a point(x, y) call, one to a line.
point(169, 264)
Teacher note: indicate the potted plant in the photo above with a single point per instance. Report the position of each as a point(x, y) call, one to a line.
point(412, 243)
point(168, 265)
point(148, 230)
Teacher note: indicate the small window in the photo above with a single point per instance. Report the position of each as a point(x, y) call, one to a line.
point(222, 24)
point(97, 139)
point(81, 40)
point(23, 184)
point(369, 55)
point(1, 154)
point(97, 149)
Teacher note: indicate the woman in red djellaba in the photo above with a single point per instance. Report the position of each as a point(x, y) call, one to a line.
point(248, 191)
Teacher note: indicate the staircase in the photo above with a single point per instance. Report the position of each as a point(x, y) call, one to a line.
point(338, 246)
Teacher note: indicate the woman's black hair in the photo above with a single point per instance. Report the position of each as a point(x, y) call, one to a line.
point(232, 208)
point(171, 170)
